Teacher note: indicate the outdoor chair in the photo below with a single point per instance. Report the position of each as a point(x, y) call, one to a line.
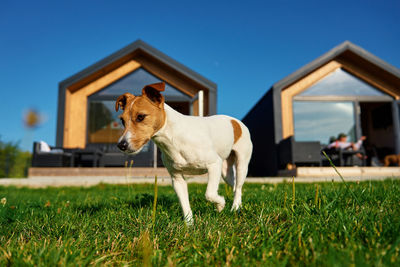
point(299, 153)
point(343, 157)
point(88, 157)
point(112, 156)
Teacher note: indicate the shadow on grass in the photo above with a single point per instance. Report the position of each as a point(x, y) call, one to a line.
point(146, 201)
point(139, 201)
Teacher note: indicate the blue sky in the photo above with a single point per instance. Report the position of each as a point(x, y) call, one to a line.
point(243, 46)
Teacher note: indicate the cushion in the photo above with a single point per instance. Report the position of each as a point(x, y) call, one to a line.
point(44, 147)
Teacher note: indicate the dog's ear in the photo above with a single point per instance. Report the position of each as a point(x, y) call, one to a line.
point(122, 100)
point(152, 92)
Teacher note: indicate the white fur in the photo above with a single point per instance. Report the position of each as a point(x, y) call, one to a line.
point(197, 145)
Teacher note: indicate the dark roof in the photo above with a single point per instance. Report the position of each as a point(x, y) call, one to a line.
point(346, 46)
point(136, 46)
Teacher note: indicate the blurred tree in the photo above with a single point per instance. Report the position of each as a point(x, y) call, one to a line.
point(13, 161)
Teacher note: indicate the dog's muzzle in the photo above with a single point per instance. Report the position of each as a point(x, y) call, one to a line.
point(123, 145)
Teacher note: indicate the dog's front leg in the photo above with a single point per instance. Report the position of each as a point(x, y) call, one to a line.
point(180, 187)
point(214, 176)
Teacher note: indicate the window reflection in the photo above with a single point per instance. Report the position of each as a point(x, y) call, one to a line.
point(341, 83)
point(104, 125)
point(318, 121)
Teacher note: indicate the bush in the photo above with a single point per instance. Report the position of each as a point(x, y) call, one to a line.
point(13, 161)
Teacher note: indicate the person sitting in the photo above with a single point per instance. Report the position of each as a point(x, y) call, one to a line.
point(332, 139)
point(342, 143)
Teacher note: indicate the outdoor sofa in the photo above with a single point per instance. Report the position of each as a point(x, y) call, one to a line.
point(93, 155)
point(50, 157)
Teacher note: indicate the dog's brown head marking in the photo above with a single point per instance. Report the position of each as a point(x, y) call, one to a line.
point(142, 116)
point(237, 131)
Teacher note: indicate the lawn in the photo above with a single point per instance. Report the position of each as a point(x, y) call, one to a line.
point(314, 224)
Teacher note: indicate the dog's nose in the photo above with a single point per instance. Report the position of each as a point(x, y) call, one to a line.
point(123, 145)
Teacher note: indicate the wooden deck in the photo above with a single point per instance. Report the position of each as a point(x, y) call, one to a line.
point(344, 171)
point(125, 172)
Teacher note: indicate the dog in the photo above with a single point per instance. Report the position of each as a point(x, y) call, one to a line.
point(391, 160)
point(218, 145)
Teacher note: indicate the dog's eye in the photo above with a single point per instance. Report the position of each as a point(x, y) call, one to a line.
point(140, 117)
point(122, 121)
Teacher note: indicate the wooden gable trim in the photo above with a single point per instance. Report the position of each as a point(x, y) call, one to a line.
point(100, 73)
point(174, 78)
point(169, 75)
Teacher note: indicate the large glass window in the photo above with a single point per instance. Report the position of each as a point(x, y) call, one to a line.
point(103, 123)
point(319, 120)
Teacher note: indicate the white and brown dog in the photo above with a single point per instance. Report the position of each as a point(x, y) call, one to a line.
point(189, 144)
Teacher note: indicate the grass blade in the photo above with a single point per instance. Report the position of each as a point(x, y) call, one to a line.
point(316, 196)
point(154, 204)
point(341, 177)
point(294, 193)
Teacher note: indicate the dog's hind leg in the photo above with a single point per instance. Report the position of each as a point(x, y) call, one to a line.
point(214, 175)
point(243, 155)
point(241, 173)
point(228, 172)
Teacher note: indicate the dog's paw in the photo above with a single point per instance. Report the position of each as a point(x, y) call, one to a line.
point(189, 220)
point(189, 223)
point(235, 207)
point(220, 206)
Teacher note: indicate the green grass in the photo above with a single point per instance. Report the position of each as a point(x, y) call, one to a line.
point(322, 225)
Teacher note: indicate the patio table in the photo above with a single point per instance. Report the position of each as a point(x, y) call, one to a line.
point(93, 155)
